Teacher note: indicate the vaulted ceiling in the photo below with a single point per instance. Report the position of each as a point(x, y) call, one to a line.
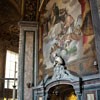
point(11, 12)
point(10, 15)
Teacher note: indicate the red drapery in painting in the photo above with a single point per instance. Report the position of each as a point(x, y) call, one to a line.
point(87, 27)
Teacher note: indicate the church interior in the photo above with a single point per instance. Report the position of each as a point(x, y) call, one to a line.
point(49, 50)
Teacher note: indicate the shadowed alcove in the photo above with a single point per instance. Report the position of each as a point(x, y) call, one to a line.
point(62, 92)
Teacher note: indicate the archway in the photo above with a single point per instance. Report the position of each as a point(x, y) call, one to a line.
point(62, 92)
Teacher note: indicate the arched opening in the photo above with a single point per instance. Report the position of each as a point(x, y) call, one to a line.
point(62, 92)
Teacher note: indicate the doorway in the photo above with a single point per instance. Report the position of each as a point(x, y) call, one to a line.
point(62, 92)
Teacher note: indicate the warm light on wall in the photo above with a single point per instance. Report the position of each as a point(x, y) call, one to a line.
point(72, 97)
point(8, 98)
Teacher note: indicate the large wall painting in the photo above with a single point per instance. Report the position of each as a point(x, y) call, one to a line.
point(68, 33)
